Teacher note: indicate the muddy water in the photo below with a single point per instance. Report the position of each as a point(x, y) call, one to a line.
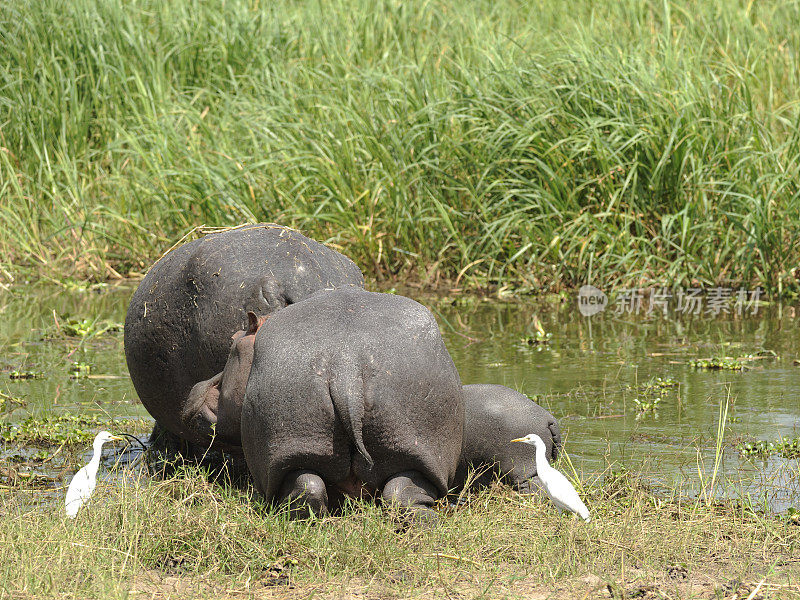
point(596, 374)
point(593, 371)
point(33, 340)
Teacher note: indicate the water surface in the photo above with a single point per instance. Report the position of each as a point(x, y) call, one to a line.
point(590, 375)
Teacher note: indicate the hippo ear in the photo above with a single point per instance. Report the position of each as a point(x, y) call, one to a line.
point(252, 322)
point(272, 295)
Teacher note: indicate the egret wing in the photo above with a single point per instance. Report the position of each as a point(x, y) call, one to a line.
point(563, 494)
point(80, 489)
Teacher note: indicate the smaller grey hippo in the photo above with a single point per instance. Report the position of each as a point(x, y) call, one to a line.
point(352, 393)
point(493, 416)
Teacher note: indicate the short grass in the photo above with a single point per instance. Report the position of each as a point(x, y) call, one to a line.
point(533, 145)
point(185, 536)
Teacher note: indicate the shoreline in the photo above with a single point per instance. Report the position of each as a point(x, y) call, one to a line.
point(186, 535)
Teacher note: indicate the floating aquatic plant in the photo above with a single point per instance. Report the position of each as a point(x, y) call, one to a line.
point(654, 385)
point(539, 335)
point(729, 363)
point(85, 328)
point(646, 406)
point(785, 447)
point(659, 383)
point(65, 428)
point(7, 401)
point(718, 363)
point(25, 374)
point(79, 370)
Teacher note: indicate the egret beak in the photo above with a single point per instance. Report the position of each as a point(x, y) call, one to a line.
point(518, 440)
point(116, 438)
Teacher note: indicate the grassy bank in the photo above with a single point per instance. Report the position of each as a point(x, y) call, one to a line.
point(145, 535)
point(530, 144)
point(184, 536)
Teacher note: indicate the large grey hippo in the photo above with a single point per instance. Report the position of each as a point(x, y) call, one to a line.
point(181, 318)
point(352, 393)
point(493, 416)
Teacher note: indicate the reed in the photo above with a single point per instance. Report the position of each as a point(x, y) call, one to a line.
point(535, 146)
point(706, 485)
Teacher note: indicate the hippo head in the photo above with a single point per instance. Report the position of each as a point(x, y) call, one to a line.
point(214, 406)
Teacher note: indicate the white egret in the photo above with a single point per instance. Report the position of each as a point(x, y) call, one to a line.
point(555, 485)
point(83, 482)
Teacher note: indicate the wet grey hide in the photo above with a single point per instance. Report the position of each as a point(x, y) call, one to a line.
point(185, 311)
point(493, 416)
point(352, 393)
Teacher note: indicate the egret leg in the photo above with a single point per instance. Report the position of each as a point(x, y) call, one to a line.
point(413, 494)
point(305, 493)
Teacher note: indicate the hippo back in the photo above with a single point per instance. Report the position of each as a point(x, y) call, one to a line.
point(493, 416)
point(352, 382)
point(181, 317)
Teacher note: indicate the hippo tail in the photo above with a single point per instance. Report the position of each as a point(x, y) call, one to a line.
point(347, 393)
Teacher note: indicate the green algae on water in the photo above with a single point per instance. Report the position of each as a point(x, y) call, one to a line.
point(64, 428)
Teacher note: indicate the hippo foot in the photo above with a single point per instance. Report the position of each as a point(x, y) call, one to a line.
point(529, 486)
point(305, 493)
point(413, 495)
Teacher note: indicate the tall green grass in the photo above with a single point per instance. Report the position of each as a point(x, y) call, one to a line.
point(530, 144)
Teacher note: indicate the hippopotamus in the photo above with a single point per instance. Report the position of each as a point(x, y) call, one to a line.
point(194, 299)
point(352, 393)
point(493, 416)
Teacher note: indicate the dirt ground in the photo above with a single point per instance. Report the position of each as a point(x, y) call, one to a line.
point(782, 581)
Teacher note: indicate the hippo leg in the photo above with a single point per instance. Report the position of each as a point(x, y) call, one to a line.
point(413, 494)
point(532, 485)
point(305, 493)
